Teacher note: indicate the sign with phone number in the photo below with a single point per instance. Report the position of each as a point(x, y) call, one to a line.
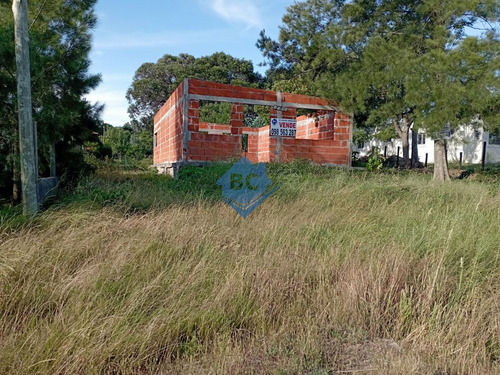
point(283, 127)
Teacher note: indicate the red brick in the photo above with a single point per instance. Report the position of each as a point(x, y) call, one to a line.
point(170, 136)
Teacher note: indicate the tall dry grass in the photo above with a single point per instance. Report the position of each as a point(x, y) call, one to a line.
point(337, 273)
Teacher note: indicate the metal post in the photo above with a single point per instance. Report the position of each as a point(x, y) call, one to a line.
point(483, 159)
point(27, 148)
point(397, 159)
point(426, 156)
point(53, 172)
point(460, 162)
point(279, 141)
point(385, 152)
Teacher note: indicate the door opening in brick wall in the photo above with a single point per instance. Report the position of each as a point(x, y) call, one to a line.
point(244, 143)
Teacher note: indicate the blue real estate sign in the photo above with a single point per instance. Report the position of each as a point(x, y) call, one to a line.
point(245, 186)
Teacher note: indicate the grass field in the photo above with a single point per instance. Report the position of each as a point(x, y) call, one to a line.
point(337, 273)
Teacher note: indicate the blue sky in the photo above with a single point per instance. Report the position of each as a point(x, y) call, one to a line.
point(132, 32)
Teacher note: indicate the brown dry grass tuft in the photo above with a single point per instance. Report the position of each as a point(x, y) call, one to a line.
point(337, 273)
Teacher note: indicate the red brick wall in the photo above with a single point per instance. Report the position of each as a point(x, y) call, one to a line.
point(325, 141)
point(259, 144)
point(194, 116)
point(213, 147)
point(322, 137)
point(169, 129)
point(237, 118)
point(197, 87)
point(214, 128)
point(319, 151)
point(319, 125)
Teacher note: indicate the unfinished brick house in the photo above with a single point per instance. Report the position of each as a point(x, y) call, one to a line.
point(323, 137)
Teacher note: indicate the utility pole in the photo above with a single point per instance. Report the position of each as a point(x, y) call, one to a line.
point(27, 148)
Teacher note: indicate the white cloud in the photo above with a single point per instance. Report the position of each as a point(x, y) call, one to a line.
point(245, 12)
point(115, 109)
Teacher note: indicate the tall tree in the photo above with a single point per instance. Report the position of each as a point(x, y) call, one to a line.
point(398, 62)
point(60, 44)
point(308, 46)
point(417, 56)
point(153, 83)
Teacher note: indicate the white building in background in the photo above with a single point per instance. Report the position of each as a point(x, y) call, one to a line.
point(468, 140)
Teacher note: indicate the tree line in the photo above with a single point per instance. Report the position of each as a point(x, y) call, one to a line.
point(394, 64)
point(60, 42)
point(428, 65)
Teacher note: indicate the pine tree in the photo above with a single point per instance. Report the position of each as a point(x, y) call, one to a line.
point(60, 42)
point(398, 62)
